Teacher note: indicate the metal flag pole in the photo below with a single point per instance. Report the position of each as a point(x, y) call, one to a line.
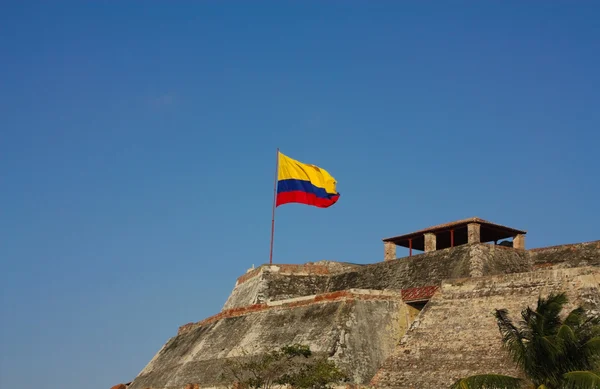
point(274, 202)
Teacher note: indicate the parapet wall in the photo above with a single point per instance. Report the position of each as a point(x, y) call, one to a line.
point(432, 268)
point(321, 268)
point(565, 256)
point(279, 282)
point(489, 259)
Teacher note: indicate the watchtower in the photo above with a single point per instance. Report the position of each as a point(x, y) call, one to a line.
point(460, 232)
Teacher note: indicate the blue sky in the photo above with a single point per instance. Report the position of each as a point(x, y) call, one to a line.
point(137, 151)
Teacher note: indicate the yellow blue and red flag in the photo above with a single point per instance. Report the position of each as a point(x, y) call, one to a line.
point(303, 183)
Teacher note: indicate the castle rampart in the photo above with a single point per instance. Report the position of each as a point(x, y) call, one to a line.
point(280, 282)
point(568, 255)
point(341, 325)
point(415, 322)
point(460, 320)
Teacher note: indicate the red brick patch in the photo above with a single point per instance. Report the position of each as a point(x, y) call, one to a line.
point(423, 293)
point(331, 296)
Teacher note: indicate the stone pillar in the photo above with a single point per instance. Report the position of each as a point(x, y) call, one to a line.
point(389, 251)
point(519, 242)
point(474, 232)
point(430, 242)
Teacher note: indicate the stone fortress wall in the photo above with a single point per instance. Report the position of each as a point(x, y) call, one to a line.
point(456, 334)
point(414, 322)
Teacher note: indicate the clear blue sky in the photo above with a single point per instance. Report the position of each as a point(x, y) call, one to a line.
point(137, 151)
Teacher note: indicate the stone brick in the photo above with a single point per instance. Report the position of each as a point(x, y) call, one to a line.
point(519, 242)
point(389, 251)
point(430, 242)
point(474, 232)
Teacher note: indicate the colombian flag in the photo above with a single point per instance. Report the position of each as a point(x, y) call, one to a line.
point(302, 183)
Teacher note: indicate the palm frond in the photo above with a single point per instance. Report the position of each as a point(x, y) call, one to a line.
point(489, 381)
point(582, 380)
point(589, 328)
point(552, 304)
point(512, 338)
point(575, 317)
point(592, 347)
point(529, 318)
point(548, 311)
point(548, 345)
point(553, 353)
point(566, 334)
point(567, 344)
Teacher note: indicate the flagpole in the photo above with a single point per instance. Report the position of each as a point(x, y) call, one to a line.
point(274, 202)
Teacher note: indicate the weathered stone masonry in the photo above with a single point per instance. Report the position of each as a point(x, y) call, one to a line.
point(460, 319)
point(339, 324)
point(415, 322)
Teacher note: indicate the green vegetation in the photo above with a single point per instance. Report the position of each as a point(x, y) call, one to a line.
point(293, 365)
point(552, 353)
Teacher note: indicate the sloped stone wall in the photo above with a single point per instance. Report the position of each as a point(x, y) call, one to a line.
point(456, 335)
point(248, 291)
point(357, 329)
